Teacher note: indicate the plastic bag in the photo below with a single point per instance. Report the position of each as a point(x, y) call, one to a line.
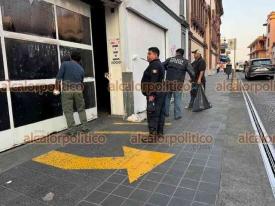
point(201, 102)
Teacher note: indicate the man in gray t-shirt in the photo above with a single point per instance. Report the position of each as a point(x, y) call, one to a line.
point(71, 74)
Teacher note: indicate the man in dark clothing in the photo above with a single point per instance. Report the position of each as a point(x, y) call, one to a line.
point(199, 66)
point(153, 89)
point(71, 74)
point(176, 70)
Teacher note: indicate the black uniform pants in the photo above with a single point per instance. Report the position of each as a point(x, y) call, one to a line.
point(156, 119)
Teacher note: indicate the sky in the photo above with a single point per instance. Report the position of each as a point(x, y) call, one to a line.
point(244, 19)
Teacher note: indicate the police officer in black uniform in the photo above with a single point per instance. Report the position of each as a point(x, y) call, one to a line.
point(153, 88)
point(176, 70)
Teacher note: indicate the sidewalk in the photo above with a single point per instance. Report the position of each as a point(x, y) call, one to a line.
point(221, 173)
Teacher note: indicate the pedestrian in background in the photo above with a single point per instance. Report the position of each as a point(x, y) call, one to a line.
point(176, 68)
point(228, 69)
point(152, 88)
point(71, 74)
point(199, 66)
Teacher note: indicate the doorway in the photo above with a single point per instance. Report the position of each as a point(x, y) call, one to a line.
point(100, 58)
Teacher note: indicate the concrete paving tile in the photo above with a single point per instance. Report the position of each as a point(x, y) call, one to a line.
point(194, 172)
point(186, 194)
point(179, 202)
point(176, 172)
point(107, 187)
point(170, 180)
point(122, 172)
point(155, 177)
point(113, 201)
point(201, 156)
point(24, 201)
point(5, 177)
point(189, 184)
point(180, 166)
point(96, 197)
point(70, 199)
point(116, 178)
point(185, 160)
point(200, 204)
point(20, 185)
point(216, 158)
point(123, 191)
point(185, 155)
point(37, 192)
point(135, 184)
point(63, 189)
point(166, 189)
point(214, 164)
point(198, 162)
point(211, 175)
point(205, 197)
point(92, 183)
point(159, 199)
point(7, 195)
point(161, 169)
point(208, 187)
point(133, 203)
point(148, 185)
point(83, 203)
point(140, 195)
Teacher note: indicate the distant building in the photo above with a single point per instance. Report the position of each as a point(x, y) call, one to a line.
point(258, 48)
point(273, 53)
point(205, 21)
point(270, 33)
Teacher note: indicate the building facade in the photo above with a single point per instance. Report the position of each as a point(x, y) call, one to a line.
point(258, 48)
point(112, 36)
point(204, 35)
point(270, 33)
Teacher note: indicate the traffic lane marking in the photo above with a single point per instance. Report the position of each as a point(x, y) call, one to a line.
point(137, 162)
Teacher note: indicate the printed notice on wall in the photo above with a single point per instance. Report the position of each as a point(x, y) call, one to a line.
point(115, 51)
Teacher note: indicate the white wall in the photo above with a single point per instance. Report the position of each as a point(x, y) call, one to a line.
point(174, 5)
point(138, 46)
point(155, 14)
point(115, 70)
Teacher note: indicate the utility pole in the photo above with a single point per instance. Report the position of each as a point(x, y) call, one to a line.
point(234, 76)
point(235, 51)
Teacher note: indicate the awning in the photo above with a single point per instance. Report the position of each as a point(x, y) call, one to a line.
point(224, 59)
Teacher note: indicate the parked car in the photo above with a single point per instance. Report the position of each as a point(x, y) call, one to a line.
point(240, 67)
point(260, 67)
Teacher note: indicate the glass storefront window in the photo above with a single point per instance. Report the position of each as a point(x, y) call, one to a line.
point(89, 95)
point(4, 111)
point(86, 56)
point(29, 17)
point(2, 74)
point(34, 104)
point(73, 27)
point(30, 60)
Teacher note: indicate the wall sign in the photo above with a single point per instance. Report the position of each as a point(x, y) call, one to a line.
point(115, 51)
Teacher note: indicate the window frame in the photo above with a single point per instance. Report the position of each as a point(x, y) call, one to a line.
point(80, 8)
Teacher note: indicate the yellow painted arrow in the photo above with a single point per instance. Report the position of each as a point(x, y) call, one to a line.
point(137, 162)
